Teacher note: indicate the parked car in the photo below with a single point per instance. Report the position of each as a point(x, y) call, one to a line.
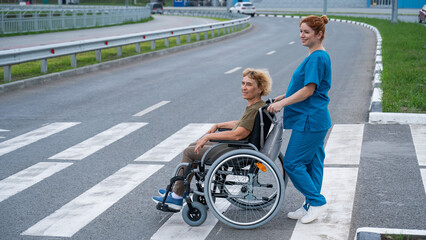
point(155, 7)
point(422, 14)
point(244, 8)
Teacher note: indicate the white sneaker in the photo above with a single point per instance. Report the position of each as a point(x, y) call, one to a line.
point(298, 214)
point(313, 213)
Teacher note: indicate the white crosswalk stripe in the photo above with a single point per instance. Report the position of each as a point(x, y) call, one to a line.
point(344, 144)
point(28, 177)
point(418, 132)
point(33, 136)
point(72, 217)
point(175, 144)
point(94, 144)
point(343, 147)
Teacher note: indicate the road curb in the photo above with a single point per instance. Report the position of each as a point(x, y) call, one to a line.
point(21, 84)
point(367, 233)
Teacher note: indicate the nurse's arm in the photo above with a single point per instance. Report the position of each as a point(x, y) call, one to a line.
point(298, 96)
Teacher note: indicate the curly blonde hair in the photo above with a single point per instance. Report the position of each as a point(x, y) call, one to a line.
point(262, 78)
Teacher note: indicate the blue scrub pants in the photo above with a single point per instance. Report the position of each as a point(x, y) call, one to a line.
point(304, 164)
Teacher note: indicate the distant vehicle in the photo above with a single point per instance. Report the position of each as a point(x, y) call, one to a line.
point(422, 14)
point(243, 8)
point(155, 7)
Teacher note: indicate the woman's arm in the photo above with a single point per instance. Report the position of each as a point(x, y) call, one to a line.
point(298, 96)
point(226, 125)
point(237, 134)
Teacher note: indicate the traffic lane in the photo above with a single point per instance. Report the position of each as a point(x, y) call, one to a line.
point(199, 91)
point(160, 22)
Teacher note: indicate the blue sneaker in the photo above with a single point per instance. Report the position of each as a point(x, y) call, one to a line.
point(163, 191)
point(173, 203)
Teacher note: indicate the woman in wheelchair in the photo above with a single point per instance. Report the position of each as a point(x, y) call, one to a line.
point(255, 84)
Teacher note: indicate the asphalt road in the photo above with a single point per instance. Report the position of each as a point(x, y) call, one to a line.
point(199, 90)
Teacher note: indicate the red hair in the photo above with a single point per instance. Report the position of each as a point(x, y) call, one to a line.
point(316, 23)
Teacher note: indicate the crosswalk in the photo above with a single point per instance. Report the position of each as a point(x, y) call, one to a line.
point(343, 151)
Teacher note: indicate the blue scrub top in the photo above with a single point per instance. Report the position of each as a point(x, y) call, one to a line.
point(310, 115)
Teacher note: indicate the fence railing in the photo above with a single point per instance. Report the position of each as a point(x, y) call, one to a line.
point(8, 58)
point(21, 19)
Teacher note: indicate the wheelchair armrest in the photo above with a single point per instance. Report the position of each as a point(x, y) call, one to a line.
point(223, 129)
point(237, 142)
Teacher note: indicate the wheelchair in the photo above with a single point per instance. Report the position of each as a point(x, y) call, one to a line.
point(241, 182)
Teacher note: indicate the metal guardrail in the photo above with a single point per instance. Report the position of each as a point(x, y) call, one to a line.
point(42, 53)
point(21, 19)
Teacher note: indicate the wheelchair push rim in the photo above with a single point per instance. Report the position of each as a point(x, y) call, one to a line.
point(244, 189)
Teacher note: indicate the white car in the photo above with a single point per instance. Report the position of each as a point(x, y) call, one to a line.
point(244, 8)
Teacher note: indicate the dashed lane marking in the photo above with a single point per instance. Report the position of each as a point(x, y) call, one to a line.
point(233, 70)
point(150, 109)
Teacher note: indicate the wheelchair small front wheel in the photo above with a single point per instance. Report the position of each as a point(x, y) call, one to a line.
point(196, 215)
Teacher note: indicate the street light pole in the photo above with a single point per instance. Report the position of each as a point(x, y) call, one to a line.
point(324, 10)
point(394, 11)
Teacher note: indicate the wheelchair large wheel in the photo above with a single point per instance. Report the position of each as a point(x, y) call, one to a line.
point(247, 187)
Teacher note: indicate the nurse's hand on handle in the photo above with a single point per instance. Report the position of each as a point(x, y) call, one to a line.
point(276, 106)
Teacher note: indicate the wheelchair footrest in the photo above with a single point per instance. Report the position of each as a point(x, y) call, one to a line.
point(165, 208)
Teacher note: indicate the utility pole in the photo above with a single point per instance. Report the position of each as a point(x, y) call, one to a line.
point(394, 11)
point(324, 10)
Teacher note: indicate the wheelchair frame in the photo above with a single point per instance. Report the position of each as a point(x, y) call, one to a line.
point(246, 162)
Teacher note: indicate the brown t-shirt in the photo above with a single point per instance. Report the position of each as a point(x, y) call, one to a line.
point(249, 116)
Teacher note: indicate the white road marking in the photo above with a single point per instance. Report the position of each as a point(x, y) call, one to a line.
point(75, 215)
point(94, 144)
point(152, 108)
point(233, 70)
point(175, 144)
point(291, 43)
point(423, 173)
point(344, 144)
point(33, 136)
point(418, 132)
point(339, 189)
point(271, 52)
point(28, 177)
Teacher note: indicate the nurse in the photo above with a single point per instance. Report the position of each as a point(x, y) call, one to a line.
point(306, 113)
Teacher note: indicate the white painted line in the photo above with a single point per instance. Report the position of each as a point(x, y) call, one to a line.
point(377, 95)
point(423, 173)
point(344, 144)
point(393, 231)
point(75, 215)
point(175, 144)
point(150, 109)
point(94, 144)
point(233, 70)
point(28, 177)
point(339, 189)
point(271, 52)
point(291, 43)
point(4, 130)
point(418, 132)
point(33, 136)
